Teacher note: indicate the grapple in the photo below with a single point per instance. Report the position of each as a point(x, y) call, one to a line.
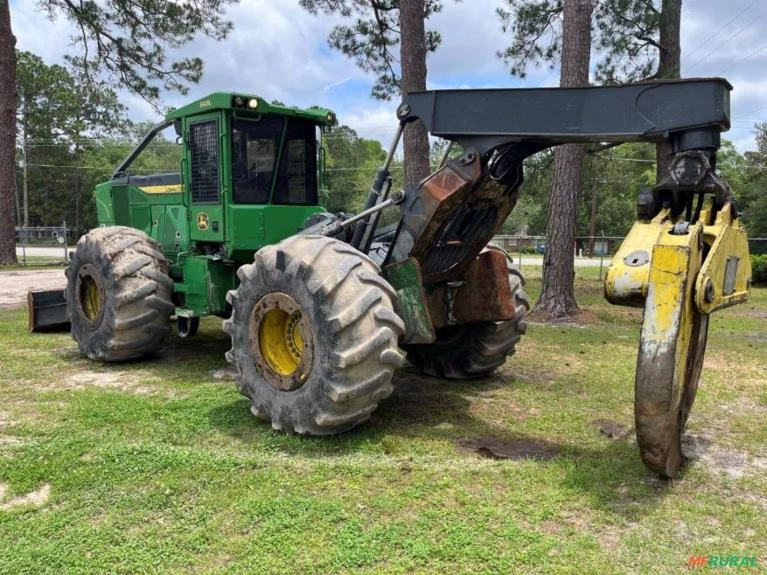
point(685, 257)
point(679, 269)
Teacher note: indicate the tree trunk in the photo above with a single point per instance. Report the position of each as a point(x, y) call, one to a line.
point(557, 299)
point(7, 136)
point(669, 68)
point(413, 64)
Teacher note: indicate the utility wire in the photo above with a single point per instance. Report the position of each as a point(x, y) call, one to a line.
point(727, 41)
point(742, 60)
point(372, 169)
point(720, 30)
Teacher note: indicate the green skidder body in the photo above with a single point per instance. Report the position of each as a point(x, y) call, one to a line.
point(249, 177)
point(322, 308)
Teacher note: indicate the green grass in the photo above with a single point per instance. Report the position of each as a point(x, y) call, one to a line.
point(157, 466)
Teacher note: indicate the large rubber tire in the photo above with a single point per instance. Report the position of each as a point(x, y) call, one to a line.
point(474, 350)
point(353, 330)
point(130, 315)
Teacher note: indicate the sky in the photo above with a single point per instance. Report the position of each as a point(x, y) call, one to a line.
point(279, 51)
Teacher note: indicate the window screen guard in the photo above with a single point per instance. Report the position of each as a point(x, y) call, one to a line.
point(203, 147)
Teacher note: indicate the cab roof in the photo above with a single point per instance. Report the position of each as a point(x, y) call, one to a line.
point(227, 101)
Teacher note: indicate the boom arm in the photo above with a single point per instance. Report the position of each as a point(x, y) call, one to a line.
point(452, 215)
point(691, 113)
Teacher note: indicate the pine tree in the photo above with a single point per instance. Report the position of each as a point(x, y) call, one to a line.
point(633, 38)
point(371, 41)
point(127, 41)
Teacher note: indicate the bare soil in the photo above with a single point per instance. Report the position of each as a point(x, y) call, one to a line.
point(612, 429)
point(14, 285)
point(35, 498)
point(522, 448)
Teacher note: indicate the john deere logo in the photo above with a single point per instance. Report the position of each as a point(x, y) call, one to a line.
point(202, 221)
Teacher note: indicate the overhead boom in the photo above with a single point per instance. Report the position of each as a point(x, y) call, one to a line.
point(544, 117)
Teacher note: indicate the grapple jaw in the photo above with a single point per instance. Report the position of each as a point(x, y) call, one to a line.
point(680, 265)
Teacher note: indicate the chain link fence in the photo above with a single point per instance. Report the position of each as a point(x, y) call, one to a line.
point(44, 243)
point(588, 251)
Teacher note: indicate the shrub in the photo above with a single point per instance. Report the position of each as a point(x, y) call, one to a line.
point(759, 269)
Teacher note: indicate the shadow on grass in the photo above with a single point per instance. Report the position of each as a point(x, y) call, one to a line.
point(427, 414)
point(424, 414)
point(423, 409)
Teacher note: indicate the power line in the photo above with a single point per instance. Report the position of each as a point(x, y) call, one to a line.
point(747, 114)
point(755, 110)
point(103, 169)
point(373, 168)
point(727, 41)
point(720, 30)
point(741, 60)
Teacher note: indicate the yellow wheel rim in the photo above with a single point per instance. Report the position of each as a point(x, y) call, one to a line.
point(90, 298)
point(280, 340)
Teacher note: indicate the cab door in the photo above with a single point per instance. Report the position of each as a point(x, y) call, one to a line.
point(205, 176)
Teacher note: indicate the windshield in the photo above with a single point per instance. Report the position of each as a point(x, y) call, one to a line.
point(256, 155)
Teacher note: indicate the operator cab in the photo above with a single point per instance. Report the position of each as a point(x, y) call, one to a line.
point(249, 176)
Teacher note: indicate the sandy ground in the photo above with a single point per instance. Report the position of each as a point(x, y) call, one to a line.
point(15, 285)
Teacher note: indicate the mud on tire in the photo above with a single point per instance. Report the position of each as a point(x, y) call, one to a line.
point(350, 352)
point(474, 350)
point(118, 294)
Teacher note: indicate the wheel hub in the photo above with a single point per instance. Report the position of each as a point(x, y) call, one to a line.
point(89, 294)
point(281, 341)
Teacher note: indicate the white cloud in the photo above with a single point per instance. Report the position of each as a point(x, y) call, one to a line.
point(36, 33)
point(378, 121)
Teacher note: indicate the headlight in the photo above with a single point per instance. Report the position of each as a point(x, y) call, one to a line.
point(253, 103)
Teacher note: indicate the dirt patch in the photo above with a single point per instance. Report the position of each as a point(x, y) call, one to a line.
point(35, 498)
point(627, 314)
point(611, 429)
point(15, 285)
point(750, 372)
point(137, 382)
point(703, 452)
point(492, 409)
point(9, 441)
point(749, 311)
point(755, 337)
point(552, 362)
point(224, 374)
point(522, 448)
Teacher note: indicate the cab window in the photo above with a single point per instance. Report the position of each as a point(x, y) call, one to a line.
point(297, 178)
point(255, 147)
